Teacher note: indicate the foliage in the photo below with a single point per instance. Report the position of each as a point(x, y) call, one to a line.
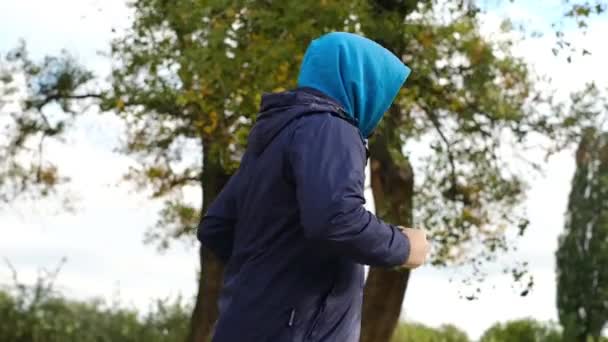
point(525, 330)
point(578, 13)
point(40, 314)
point(189, 74)
point(27, 90)
point(412, 332)
point(582, 255)
point(470, 100)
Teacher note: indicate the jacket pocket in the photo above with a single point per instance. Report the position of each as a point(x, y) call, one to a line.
point(317, 321)
point(312, 330)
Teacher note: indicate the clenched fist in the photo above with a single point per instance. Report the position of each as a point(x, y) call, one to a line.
point(419, 247)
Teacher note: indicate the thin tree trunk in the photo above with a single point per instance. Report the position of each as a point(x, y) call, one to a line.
point(393, 188)
point(205, 311)
point(209, 285)
point(384, 293)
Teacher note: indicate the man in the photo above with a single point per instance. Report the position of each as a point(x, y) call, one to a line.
point(290, 224)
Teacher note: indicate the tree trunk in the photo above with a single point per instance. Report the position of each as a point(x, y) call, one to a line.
point(205, 311)
point(209, 285)
point(393, 187)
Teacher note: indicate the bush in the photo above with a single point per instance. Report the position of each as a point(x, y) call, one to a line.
point(40, 315)
point(412, 332)
point(524, 330)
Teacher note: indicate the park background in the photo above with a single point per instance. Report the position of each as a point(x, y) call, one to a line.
point(96, 228)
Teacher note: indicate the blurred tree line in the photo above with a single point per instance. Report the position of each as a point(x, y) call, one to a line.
point(186, 80)
point(38, 313)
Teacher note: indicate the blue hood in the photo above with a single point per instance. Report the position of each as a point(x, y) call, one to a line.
point(360, 74)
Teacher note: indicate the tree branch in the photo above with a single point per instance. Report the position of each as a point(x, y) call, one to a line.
point(435, 121)
point(56, 97)
point(174, 182)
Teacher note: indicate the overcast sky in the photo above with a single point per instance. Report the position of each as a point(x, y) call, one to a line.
point(102, 241)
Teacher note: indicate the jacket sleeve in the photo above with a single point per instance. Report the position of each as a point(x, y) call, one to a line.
point(327, 159)
point(216, 229)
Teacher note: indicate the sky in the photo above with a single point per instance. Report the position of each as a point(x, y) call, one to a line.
point(103, 240)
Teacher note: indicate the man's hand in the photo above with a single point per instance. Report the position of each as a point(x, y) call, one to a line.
point(419, 247)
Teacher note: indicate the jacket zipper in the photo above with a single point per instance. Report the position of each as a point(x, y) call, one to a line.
point(292, 317)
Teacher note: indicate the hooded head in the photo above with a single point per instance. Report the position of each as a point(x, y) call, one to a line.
point(360, 74)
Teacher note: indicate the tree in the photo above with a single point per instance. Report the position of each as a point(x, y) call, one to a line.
point(194, 72)
point(468, 197)
point(27, 125)
point(582, 255)
point(188, 77)
point(524, 330)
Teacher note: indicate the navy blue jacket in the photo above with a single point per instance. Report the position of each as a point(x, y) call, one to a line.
point(292, 229)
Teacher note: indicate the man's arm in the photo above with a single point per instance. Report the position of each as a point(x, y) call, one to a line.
point(327, 159)
point(216, 229)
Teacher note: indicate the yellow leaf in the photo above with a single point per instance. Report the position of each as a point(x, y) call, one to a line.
point(283, 72)
point(205, 90)
point(426, 39)
point(120, 104)
point(213, 118)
